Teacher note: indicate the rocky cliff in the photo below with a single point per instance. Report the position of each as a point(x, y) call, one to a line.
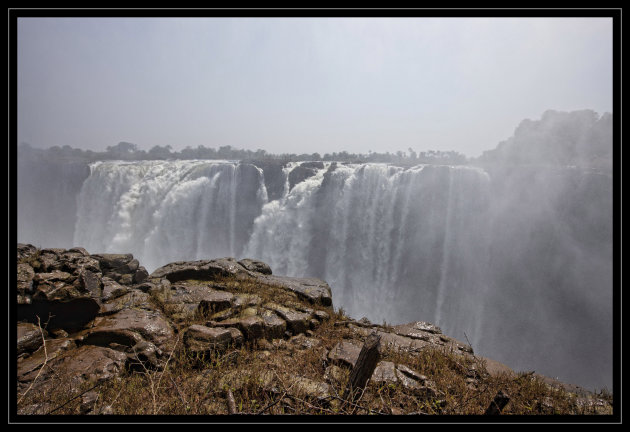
point(98, 334)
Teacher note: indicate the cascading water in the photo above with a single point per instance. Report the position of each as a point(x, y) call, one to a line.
point(390, 240)
point(169, 211)
point(516, 260)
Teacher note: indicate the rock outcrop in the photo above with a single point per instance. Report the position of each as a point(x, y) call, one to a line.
point(85, 319)
point(93, 316)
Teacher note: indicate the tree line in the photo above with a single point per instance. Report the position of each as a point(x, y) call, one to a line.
point(130, 152)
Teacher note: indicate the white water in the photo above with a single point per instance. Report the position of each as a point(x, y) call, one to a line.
point(354, 225)
point(167, 211)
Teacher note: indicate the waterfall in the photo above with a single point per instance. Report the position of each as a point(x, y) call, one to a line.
point(168, 211)
point(373, 222)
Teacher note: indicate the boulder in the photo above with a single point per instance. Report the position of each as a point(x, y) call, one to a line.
point(297, 322)
point(252, 327)
point(275, 327)
point(345, 353)
point(130, 298)
point(25, 275)
point(184, 301)
point(255, 266)
point(140, 275)
point(25, 251)
point(29, 338)
point(90, 282)
point(205, 340)
point(112, 289)
point(388, 373)
point(112, 262)
point(128, 326)
point(204, 270)
point(28, 367)
point(313, 290)
point(89, 364)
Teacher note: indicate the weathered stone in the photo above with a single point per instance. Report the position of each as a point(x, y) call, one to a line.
point(90, 282)
point(152, 326)
point(188, 300)
point(247, 300)
point(25, 275)
point(274, 325)
point(255, 266)
point(140, 275)
point(25, 251)
point(90, 364)
point(313, 290)
point(80, 262)
point(297, 322)
point(202, 339)
point(131, 299)
point(28, 367)
point(310, 389)
point(125, 279)
point(321, 315)
point(345, 353)
point(110, 262)
point(29, 338)
point(388, 373)
point(385, 372)
point(205, 270)
point(79, 250)
point(146, 355)
point(112, 289)
point(237, 337)
point(252, 327)
point(304, 342)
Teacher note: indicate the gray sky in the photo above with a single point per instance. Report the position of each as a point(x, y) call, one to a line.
point(304, 85)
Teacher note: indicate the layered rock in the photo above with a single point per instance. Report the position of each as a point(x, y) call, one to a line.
point(93, 316)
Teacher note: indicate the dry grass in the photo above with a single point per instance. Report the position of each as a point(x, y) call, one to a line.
point(260, 378)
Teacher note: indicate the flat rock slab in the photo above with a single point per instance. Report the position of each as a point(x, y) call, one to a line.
point(202, 339)
point(206, 270)
point(130, 299)
point(345, 353)
point(28, 367)
point(185, 301)
point(387, 372)
point(150, 325)
point(255, 266)
point(90, 363)
point(29, 337)
point(313, 290)
point(297, 322)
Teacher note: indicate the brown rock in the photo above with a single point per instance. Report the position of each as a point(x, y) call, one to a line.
point(29, 338)
point(297, 322)
point(255, 266)
point(202, 339)
point(345, 353)
point(152, 326)
point(274, 325)
point(252, 327)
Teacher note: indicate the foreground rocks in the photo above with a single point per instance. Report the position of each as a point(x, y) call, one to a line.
point(86, 319)
point(93, 316)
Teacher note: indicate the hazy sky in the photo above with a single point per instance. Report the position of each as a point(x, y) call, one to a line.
point(304, 85)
